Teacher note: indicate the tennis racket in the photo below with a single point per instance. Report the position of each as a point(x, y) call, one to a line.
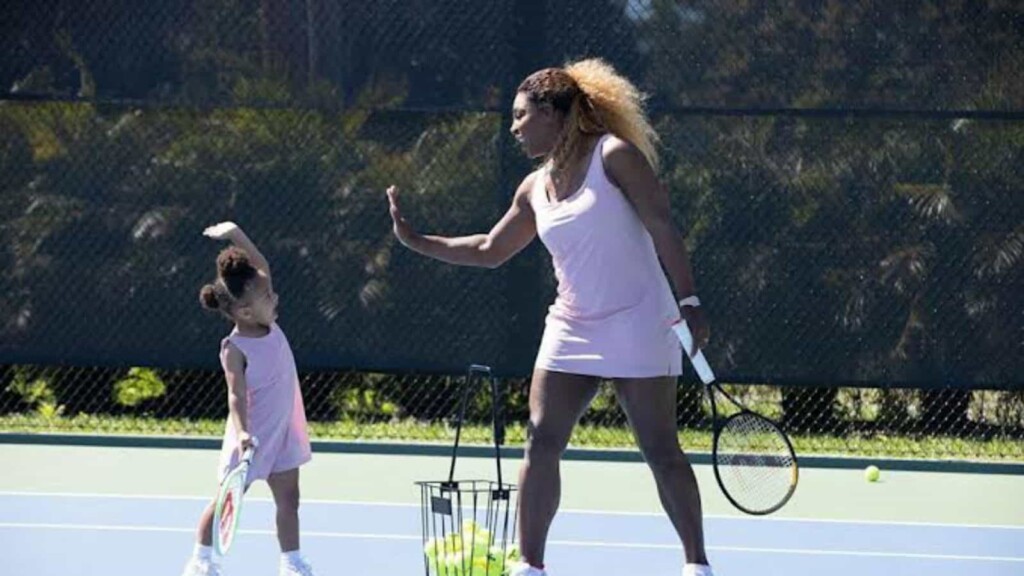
point(227, 511)
point(754, 461)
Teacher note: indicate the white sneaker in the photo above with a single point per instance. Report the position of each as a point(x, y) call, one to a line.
point(199, 567)
point(524, 569)
point(300, 567)
point(697, 570)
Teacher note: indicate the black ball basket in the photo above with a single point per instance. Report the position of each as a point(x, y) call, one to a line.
point(469, 525)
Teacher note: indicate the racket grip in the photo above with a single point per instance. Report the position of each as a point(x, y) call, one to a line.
point(247, 455)
point(700, 363)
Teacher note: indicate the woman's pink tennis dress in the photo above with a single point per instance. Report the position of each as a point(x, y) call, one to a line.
point(614, 310)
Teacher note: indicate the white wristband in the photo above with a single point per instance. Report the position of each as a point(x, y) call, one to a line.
point(690, 301)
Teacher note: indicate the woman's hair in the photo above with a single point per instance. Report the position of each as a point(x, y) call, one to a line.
point(595, 99)
point(234, 272)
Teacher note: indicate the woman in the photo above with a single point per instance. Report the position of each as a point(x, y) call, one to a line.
point(598, 208)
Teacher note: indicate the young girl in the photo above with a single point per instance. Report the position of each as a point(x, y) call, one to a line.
point(264, 399)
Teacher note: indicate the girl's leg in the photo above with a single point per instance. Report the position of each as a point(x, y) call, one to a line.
point(202, 561)
point(204, 533)
point(557, 401)
point(285, 488)
point(650, 406)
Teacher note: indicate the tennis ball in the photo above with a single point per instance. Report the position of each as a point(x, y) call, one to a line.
point(486, 567)
point(484, 535)
point(453, 542)
point(453, 563)
point(480, 549)
point(433, 547)
point(871, 473)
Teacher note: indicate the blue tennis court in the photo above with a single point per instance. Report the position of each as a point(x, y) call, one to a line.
point(77, 510)
point(78, 533)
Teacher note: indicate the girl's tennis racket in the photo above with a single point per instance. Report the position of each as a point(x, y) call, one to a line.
point(754, 461)
point(228, 509)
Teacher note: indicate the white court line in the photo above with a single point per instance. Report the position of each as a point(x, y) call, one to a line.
point(576, 543)
point(561, 511)
point(128, 528)
point(800, 551)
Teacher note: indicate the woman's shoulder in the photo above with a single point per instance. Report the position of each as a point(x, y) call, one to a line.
point(531, 181)
point(621, 157)
point(612, 145)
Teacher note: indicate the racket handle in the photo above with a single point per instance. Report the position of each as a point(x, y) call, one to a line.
point(700, 363)
point(247, 455)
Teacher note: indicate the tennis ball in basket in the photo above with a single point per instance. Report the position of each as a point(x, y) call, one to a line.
point(433, 547)
point(871, 473)
point(453, 542)
point(453, 563)
point(483, 567)
point(480, 547)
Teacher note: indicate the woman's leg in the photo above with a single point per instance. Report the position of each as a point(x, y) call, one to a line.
point(557, 400)
point(650, 406)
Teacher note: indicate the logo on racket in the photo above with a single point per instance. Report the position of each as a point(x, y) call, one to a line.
point(227, 517)
point(229, 502)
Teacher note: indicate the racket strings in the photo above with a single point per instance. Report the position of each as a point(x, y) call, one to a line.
point(755, 464)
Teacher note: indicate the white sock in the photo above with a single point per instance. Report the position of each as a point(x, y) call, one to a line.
point(291, 558)
point(203, 552)
point(697, 570)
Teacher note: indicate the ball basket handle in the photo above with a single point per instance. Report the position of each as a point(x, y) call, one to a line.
point(497, 416)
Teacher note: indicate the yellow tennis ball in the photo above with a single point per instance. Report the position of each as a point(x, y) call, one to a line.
point(453, 542)
point(453, 563)
point(433, 547)
point(871, 473)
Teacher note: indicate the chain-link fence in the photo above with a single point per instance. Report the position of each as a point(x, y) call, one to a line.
point(829, 251)
point(951, 55)
point(906, 423)
point(850, 189)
